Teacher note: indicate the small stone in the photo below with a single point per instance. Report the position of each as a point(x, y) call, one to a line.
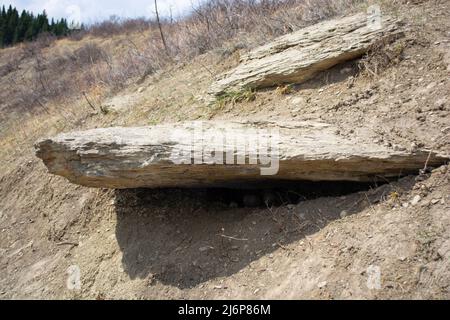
point(343, 214)
point(203, 249)
point(322, 284)
point(298, 101)
point(415, 200)
point(421, 118)
point(435, 201)
point(233, 205)
point(399, 148)
point(444, 250)
point(425, 203)
point(431, 85)
point(440, 104)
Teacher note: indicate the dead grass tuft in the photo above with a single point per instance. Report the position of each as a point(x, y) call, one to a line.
point(233, 97)
point(285, 89)
point(381, 56)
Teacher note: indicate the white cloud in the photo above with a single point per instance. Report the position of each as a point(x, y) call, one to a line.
point(91, 11)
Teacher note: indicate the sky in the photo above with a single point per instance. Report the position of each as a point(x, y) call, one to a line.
point(90, 11)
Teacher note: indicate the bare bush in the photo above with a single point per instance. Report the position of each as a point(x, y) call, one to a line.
point(225, 25)
point(222, 25)
point(90, 53)
point(114, 25)
point(10, 65)
point(381, 56)
point(53, 76)
point(216, 22)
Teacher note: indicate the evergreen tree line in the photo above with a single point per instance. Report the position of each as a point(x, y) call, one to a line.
point(15, 27)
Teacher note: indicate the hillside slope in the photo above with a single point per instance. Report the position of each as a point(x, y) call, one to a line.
point(160, 244)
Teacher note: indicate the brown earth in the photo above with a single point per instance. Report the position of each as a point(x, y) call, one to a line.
point(169, 244)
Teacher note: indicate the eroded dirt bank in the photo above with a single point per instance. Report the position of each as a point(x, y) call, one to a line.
point(143, 244)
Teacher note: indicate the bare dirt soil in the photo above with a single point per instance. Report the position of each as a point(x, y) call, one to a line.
point(334, 242)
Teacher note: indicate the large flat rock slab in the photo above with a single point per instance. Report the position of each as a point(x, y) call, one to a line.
point(297, 57)
point(210, 154)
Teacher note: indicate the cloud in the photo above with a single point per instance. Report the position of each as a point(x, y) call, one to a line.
point(88, 11)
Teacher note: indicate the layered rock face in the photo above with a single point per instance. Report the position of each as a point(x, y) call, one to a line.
point(296, 57)
point(222, 154)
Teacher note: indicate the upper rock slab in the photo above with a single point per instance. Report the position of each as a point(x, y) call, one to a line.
point(298, 56)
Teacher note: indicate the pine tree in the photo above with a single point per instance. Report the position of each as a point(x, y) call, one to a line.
point(30, 29)
point(52, 26)
point(10, 25)
point(15, 28)
point(2, 26)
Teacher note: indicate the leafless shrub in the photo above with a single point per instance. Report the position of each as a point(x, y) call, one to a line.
point(10, 65)
point(44, 40)
point(90, 53)
point(54, 76)
point(381, 56)
point(77, 35)
point(229, 25)
point(114, 25)
point(222, 25)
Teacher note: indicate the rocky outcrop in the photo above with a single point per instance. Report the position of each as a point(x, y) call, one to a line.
point(296, 57)
point(221, 154)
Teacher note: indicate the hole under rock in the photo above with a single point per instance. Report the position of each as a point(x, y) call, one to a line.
point(275, 194)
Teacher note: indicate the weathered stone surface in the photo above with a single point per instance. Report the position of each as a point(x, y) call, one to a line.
point(296, 57)
point(150, 156)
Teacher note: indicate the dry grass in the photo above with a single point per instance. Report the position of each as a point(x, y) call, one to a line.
point(233, 97)
point(223, 25)
point(46, 84)
point(229, 25)
point(381, 56)
point(285, 89)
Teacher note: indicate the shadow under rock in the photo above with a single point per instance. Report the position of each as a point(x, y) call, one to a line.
point(340, 73)
point(183, 238)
